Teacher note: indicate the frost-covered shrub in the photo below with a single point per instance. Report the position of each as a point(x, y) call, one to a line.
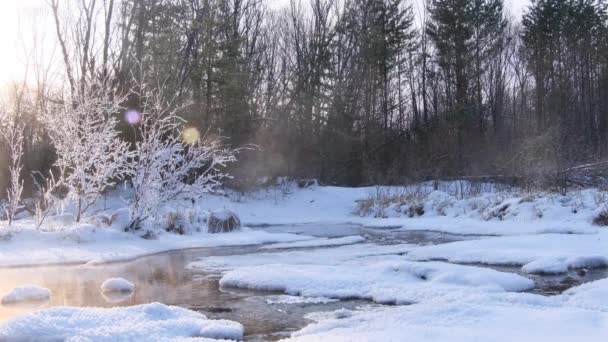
point(149, 235)
point(174, 222)
point(118, 220)
point(440, 201)
point(90, 154)
point(415, 210)
point(364, 207)
point(222, 221)
point(384, 201)
point(600, 218)
point(498, 212)
point(11, 135)
point(103, 220)
point(172, 162)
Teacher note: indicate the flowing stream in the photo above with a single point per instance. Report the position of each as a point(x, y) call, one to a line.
point(164, 278)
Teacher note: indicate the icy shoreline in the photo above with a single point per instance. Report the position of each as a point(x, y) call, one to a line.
point(518, 215)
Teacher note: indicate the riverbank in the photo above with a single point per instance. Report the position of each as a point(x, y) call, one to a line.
point(489, 212)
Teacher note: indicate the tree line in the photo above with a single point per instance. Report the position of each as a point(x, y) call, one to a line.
point(349, 92)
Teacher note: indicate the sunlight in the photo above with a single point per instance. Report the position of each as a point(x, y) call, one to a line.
point(191, 135)
point(21, 23)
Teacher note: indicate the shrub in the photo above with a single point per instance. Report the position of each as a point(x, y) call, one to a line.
point(601, 219)
point(222, 221)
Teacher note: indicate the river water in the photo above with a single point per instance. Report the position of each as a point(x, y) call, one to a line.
point(164, 278)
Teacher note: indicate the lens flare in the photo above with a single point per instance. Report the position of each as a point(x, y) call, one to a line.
point(191, 135)
point(132, 117)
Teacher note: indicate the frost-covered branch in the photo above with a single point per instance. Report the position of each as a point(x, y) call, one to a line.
point(172, 161)
point(12, 134)
point(90, 154)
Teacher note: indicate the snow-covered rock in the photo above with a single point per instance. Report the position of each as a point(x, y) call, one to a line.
point(148, 322)
point(117, 285)
point(26, 293)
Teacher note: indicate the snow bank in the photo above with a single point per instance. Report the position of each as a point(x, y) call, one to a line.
point(117, 285)
point(26, 293)
point(590, 296)
point(544, 253)
point(391, 281)
point(484, 317)
point(321, 242)
point(82, 244)
point(149, 322)
point(486, 213)
point(549, 265)
point(367, 271)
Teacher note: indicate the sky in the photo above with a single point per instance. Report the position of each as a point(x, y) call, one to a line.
point(17, 28)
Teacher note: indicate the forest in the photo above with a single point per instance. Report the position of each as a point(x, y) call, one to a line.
point(349, 92)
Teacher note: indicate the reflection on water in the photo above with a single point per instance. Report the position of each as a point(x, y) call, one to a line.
point(163, 278)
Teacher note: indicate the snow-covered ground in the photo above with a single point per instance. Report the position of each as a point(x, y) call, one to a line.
point(90, 244)
point(540, 253)
point(577, 315)
point(541, 233)
point(489, 213)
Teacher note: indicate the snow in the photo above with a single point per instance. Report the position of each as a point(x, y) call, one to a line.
point(381, 281)
point(286, 299)
point(542, 233)
point(578, 314)
point(26, 293)
point(481, 317)
point(88, 244)
point(444, 211)
point(120, 218)
point(322, 242)
point(222, 214)
point(148, 322)
point(542, 253)
point(62, 241)
point(298, 257)
point(117, 285)
point(590, 296)
point(366, 271)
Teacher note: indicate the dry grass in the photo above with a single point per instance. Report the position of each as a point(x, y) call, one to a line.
point(383, 198)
